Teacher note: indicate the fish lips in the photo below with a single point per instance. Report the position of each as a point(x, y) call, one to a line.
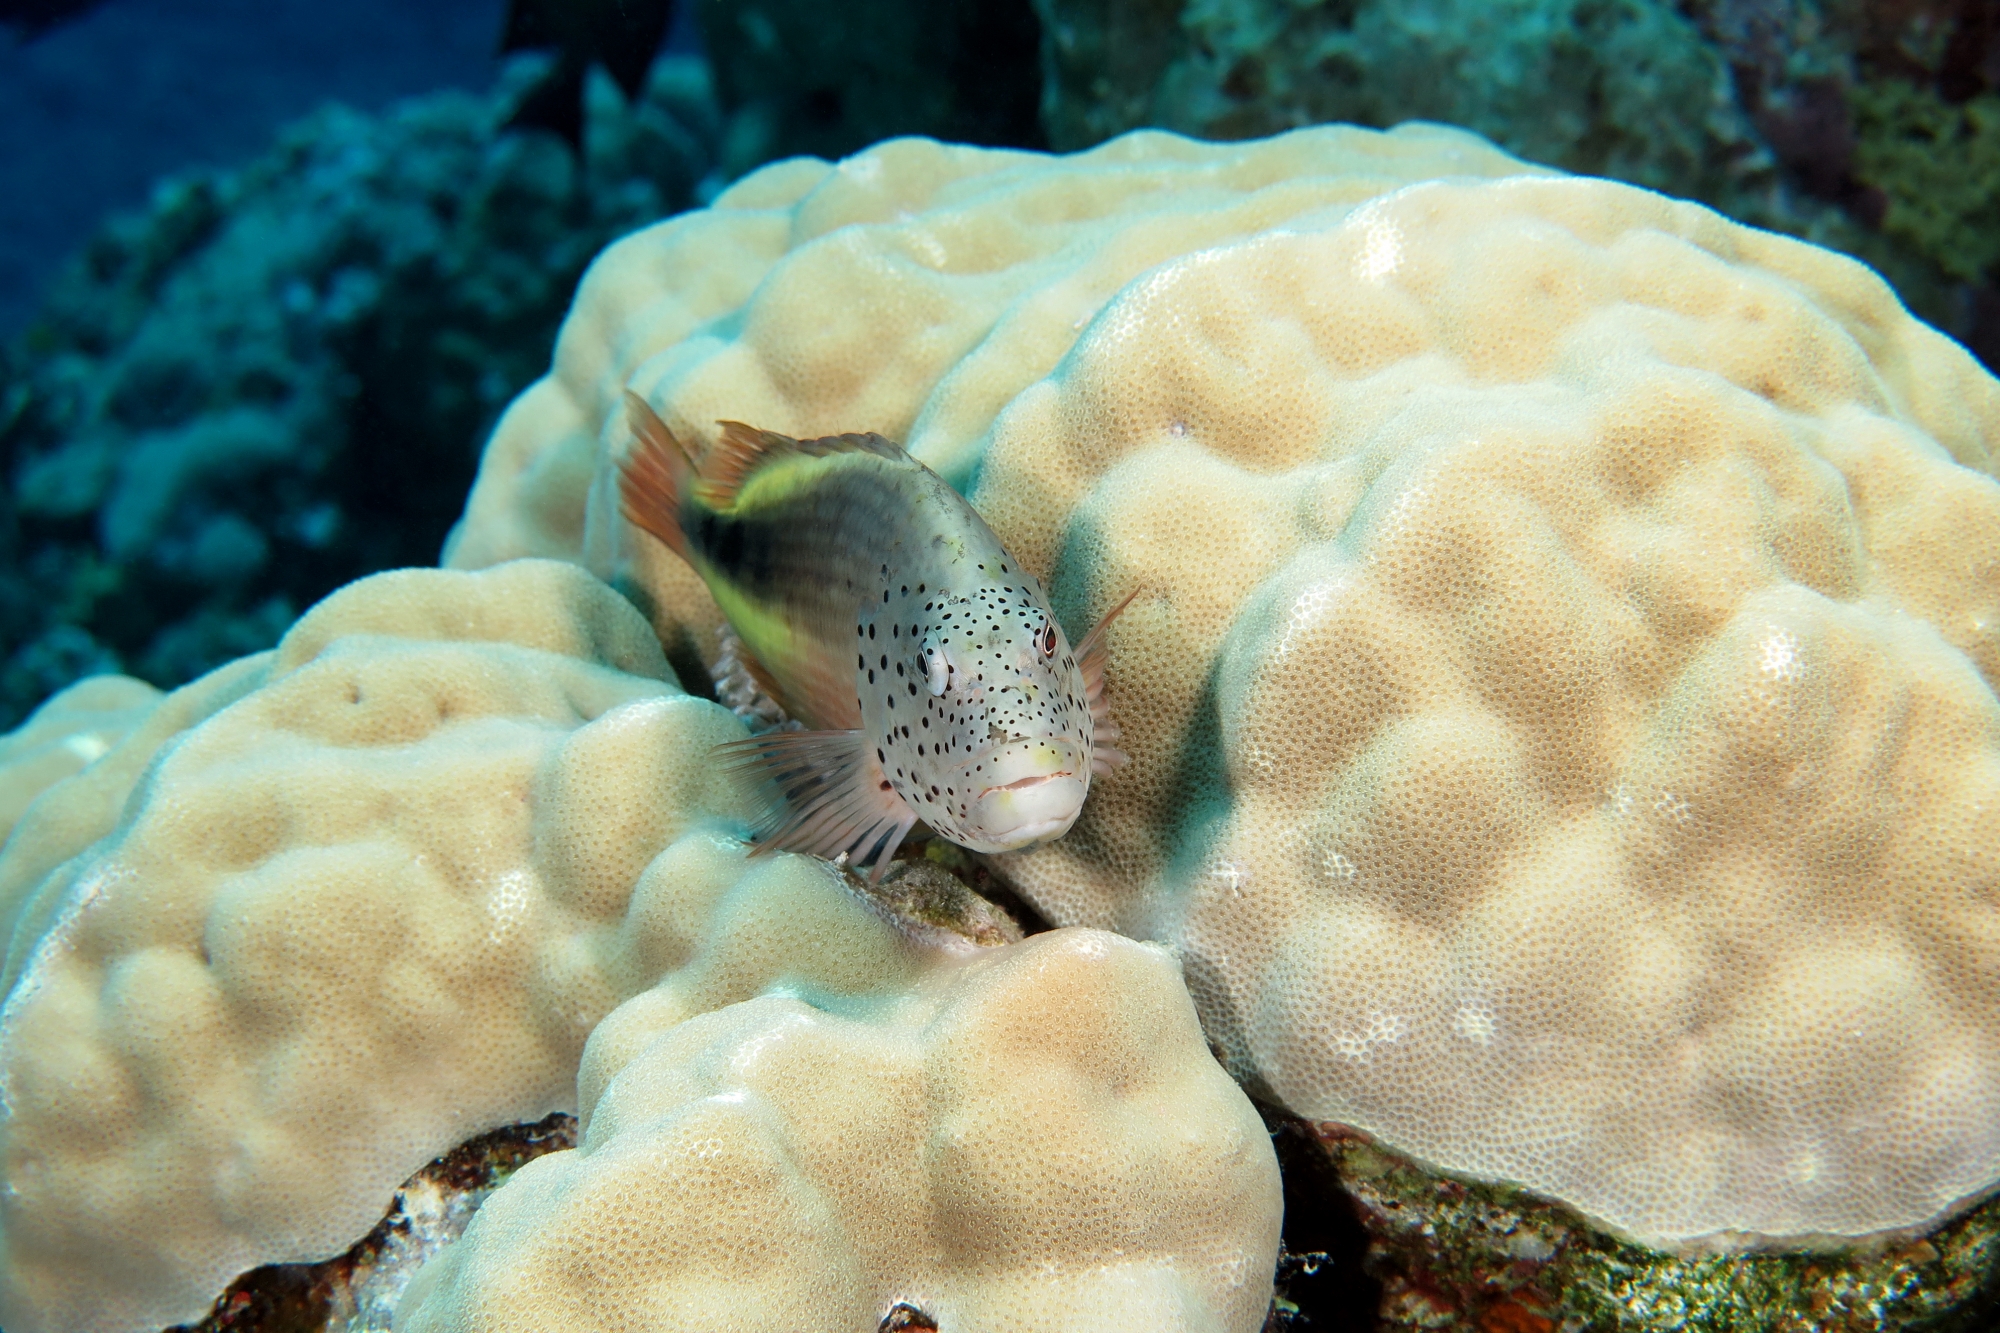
point(1035, 791)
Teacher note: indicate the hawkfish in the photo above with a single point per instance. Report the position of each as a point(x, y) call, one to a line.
point(876, 608)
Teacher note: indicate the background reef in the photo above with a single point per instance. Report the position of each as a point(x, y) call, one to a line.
point(274, 379)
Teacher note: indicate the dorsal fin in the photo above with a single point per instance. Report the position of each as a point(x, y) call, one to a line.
point(742, 449)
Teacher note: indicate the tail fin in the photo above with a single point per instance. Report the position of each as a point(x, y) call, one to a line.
point(654, 477)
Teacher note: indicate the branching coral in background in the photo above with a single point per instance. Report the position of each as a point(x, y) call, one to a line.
point(1938, 166)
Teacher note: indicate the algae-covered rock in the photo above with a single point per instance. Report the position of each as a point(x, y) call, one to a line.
point(1463, 1256)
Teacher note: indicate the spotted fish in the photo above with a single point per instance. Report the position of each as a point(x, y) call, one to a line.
point(878, 609)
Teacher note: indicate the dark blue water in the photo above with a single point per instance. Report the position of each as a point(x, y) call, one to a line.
point(92, 113)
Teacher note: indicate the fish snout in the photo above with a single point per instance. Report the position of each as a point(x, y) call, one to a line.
point(1033, 791)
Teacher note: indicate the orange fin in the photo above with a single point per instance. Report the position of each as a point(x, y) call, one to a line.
point(831, 796)
point(742, 449)
point(1091, 656)
point(654, 477)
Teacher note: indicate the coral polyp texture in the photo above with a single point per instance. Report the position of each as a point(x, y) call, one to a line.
point(1561, 683)
point(773, 1165)
point(334, 910)
point(65, 735)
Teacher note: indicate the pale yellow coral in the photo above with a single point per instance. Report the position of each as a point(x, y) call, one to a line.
point(340, 907)
point(1033, 1138)
point(1561, 690)
point(369, 899)
point(65, 735)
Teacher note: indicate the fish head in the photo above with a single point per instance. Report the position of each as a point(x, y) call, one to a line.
point(983, 724)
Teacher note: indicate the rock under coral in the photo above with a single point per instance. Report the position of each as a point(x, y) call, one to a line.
point(1454, 1256)
point(358, 1291)
point(1561, 690)
point(1034, 1138)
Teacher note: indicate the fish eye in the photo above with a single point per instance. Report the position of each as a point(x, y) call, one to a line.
point(1046, 640)
point(937, 668)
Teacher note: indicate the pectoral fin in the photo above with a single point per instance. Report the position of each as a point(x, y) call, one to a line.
point(830, 796)
point(1091, 656)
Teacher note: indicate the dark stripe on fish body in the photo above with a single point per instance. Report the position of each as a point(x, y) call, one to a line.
point(820, 543)
point(741, 548)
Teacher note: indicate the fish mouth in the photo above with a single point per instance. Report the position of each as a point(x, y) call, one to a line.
point(1033, 780)
point(1037, 796)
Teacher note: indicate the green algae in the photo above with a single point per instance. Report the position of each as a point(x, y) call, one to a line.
point(1938, 165)
point(1461, 1255)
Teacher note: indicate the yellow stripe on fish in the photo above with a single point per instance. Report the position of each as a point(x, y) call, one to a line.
point(877, 608)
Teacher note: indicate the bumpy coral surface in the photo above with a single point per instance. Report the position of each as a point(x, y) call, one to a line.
point(65, 735)
point(368, 900)
point(1561, 689)
point(323, 915)
point(1035, 1138)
